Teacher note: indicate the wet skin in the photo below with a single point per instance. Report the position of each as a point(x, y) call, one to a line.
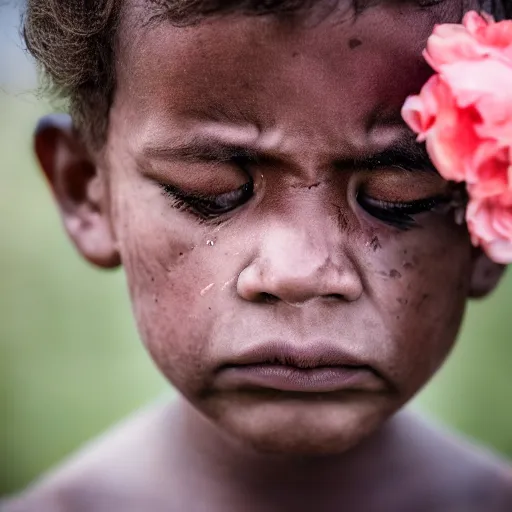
point(269, 208)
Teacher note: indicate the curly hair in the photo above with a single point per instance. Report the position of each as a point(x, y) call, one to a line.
point(73, 43)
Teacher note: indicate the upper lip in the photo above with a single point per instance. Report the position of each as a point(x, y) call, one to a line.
point(304, 356)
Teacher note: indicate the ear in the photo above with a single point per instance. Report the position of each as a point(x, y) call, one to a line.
point(485, 276)
point(79, 190)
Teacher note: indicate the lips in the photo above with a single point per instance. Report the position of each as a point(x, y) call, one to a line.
point(308, 368)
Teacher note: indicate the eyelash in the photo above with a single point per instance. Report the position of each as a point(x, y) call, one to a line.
point(208, 207)
point(400, 215)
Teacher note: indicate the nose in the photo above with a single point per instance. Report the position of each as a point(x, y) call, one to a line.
point(298, 265)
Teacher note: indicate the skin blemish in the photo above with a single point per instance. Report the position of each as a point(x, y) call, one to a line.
point(402, 301)
point(354, 43)
point(375, 243)
point(422, 301)
point(309, 187)
point(227, 283)
point(407, 265)
point(392, 274)
point(205, 290)
point(343, 220)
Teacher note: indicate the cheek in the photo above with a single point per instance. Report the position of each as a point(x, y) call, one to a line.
point(170, 267)
point(419, 283)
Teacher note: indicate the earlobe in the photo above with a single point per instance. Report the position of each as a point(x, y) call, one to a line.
point(485, 276)
point(79, 190)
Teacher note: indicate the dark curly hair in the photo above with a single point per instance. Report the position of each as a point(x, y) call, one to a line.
point(73, 43)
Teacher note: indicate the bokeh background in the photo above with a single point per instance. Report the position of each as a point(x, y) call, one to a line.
point(71, 364)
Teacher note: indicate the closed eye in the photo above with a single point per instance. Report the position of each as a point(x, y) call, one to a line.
point(209, 206)
point(399, 214)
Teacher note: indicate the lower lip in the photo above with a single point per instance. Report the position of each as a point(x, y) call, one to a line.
point(289, 378)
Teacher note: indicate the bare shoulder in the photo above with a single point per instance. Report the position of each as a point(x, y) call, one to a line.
point(449, 472)
point(111, 473)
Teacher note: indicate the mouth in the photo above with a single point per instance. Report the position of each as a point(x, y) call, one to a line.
point(311, 368)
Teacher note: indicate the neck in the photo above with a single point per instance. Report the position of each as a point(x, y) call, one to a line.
point(271, 481)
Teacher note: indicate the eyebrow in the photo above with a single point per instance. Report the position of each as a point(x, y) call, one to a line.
point(201, 150)
point(409, 156)
point(405, 154)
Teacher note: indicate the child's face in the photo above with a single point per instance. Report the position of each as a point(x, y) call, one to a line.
point(317, 265)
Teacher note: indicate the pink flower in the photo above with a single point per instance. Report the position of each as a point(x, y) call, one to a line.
point(477, 38)
point(464, 116)
point(490, 224)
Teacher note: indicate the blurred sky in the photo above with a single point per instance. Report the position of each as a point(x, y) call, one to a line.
point(16, 70)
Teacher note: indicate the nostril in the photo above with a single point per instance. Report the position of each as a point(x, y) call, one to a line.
point(268, 298)
point(334, 296)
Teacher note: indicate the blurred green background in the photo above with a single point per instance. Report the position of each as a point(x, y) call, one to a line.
point(70, 361)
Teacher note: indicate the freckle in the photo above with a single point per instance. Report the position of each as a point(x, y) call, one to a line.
point(354, 43)
point(152, 279)
point(394, 274)
point(181, 254)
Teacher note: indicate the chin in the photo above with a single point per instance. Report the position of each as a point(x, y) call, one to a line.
point(311, 428)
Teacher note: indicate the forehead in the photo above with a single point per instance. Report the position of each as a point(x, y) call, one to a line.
point(334, 76)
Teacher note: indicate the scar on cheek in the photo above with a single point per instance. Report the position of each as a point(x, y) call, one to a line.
point(205, 290)
point(228, 283)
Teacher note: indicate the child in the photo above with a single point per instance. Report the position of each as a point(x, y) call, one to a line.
point(294, 268)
